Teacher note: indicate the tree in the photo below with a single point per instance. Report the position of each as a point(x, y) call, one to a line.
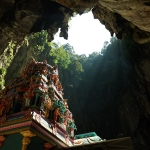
point(60, 56)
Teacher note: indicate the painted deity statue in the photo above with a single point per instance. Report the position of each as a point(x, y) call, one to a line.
point(27, 96)
point(3, 105)
point(38, 87)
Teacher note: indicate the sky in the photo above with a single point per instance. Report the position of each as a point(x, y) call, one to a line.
point(85, 34)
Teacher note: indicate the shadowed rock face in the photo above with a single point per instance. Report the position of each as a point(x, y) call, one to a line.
point(118, 15)
point(121, 17)
point(19, 18)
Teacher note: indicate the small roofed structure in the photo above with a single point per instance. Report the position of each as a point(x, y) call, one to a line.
point(86, 138)
point(114, 144)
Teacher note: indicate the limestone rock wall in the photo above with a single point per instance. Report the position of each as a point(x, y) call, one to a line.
point(135, 104)
point(118, 15)
point(19, 18)
point(125, 15)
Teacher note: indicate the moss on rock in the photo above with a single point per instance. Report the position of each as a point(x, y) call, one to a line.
point(6, 59)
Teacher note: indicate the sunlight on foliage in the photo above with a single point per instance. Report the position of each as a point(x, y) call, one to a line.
point(6, 59)
point(60, 56)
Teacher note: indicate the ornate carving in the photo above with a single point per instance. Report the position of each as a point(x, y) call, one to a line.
point(38, 89)
point(27, 138)
point(47, 146)
point(2, 139)
point(28, 114)
point(25, 143)
point(67, 140)
point(48, 106)
point(54, 130)
point(3, 119)
point(27, 133)
point(38, 118)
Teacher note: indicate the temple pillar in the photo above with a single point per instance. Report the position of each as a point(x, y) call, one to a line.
point(47, 146)
point(2, 139)
point(27, 138)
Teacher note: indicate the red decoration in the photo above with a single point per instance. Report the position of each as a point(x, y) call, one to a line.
point(2, 139)
point(3, 119)
point(47, 146)
point(38, 88)
point(28, 114)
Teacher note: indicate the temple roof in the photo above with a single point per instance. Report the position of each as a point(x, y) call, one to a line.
point(85, 135)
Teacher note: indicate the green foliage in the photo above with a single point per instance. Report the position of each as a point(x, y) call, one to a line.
point(60, 56)
point(38, 41)
point(64, 55)
point(26, 41)
point(6, 59)
point(2, 71)
point(75, 67)
point(93, 55)
point(105, 45)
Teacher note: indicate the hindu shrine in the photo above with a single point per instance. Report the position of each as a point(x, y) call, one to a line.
point(38, 95)
point(34, 114)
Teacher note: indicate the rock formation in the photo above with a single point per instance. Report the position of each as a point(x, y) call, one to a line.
point(118, 15)
point(20, 18)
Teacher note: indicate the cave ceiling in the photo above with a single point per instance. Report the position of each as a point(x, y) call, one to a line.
point(19, 18)
point(137, 12)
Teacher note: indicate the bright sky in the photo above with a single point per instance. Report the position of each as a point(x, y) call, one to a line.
point(85, 34)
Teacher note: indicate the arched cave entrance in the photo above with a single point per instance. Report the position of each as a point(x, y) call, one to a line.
point(126, 19)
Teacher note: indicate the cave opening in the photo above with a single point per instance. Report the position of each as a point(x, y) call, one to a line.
point(85, 34)
point(129, 74)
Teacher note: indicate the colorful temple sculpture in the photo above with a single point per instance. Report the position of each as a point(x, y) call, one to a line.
point(34, 114)
point(35, 100)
